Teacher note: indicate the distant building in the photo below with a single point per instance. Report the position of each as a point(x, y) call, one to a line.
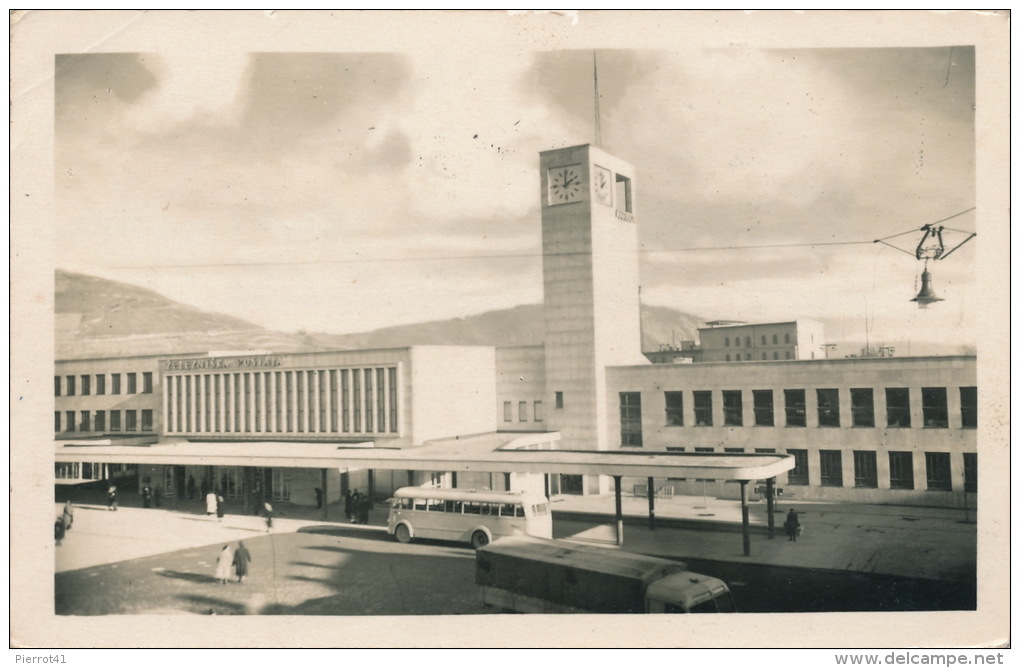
point(731, 342)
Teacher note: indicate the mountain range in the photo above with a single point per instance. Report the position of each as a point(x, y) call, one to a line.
point(98, 317)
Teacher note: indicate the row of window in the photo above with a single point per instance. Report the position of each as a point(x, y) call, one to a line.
point(764, 341)
point(68, 386)
point(938, 468)
point(775, 355)
point(490, 509)
point(934, 409)
point(305, 401)
point(522, 411)
point(95, 421)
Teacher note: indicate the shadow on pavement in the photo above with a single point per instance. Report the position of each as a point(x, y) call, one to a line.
point(190, 577)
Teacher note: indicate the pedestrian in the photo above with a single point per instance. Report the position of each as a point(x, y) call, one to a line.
point(348, 505)
point(242, 557)
point(146, 496)
point(220, 507)
point(225, 564)
point(792, 525)
point(68, 515)
point(364, 503)
point(111, 498)
point(267, 512)
point(191, 486)
point(58, 530)
point(318, 498)
point(210, 503)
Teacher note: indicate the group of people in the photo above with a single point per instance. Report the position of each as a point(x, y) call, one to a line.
point(233, 562)
point(356, 507)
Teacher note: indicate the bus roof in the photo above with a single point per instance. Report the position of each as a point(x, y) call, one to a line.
point(444, 494)
point(563, 553)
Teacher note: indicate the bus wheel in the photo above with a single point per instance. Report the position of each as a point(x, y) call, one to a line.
point(479, 539)
point(402, 533)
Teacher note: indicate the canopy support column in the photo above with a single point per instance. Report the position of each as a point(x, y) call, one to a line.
point(745, 518)
point(651, 504)
point(619, 510)
point(770, 498)
point(323, 485)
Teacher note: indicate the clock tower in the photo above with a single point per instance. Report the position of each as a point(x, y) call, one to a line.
point(592, 301)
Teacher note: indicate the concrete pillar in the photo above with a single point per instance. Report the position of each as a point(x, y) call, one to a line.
point(619, 509)
point(324, 486)
point(745, 518)
point(651, 504)
point(770, 494)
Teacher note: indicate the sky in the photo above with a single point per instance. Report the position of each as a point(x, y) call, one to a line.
point(345, 191)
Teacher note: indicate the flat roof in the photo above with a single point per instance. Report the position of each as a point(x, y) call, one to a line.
point(491, 452)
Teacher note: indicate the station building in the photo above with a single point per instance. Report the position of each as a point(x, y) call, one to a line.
point(882, 430)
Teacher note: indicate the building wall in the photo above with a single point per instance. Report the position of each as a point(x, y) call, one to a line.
point(454, 390)
point(520, 388)
point(739, 430)
point(796, 340)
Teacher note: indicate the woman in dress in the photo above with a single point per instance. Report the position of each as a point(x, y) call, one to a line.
point(225, 564)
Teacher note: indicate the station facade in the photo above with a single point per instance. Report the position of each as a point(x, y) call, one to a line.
point(885, 430)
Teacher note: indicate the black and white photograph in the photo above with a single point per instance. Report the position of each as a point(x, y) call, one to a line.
point(510, 329)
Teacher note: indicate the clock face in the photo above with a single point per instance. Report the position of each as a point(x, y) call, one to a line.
point(602, 185)
point(565, 184)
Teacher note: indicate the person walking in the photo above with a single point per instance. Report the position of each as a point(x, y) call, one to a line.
point(58, 530)
point(242, 557)
point(318, 498)
point(210, 503)
point(225, 564)
point(267, 513)
point(220, 507)
point(364, 504)
point(68, 515)
point(146, 497)
point(792, 525)
point(111, 498)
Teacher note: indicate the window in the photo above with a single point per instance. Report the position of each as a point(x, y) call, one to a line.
point(100, 383)
point(733, 408)
point(897, 407)
point(798, 475)
point(763, 412)
point(933, 403)
point(727, 357)
point(623, 194)
point(630, 419)
point(508, 411)
point(86, 386)
point(775, 340)
point(674, 409)
point(786, 338)
point(747, 341)
point(114, 383)
point(56, 387)
point(970, 478)
point(828, 408)
point(788, 355)
point(146, 419)
point(796, 410)
point(131, 420)
point(69, 420)
point(132, 383)
point(522, 411)
point(901, 470)
point(865, 469)
point(703, 409)
point(763, 341)
point(738, 357)
point(56, 421)
point(114, 420)
point(539, 414)
point(734, 450)
point(765, 451)
point(559, 400)
point(100, 421)
point(147, 382)
point(775, 355)
point(862, 407)
point(83, 425)
point(70, 386)
point(939, 475)
point(831, 468)
point(727, 342)
point(968, 407)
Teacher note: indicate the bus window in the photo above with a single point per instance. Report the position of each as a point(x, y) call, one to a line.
point(436, 505)
point(540, 509)
point(508, 510)
point(472, 508)
point(420, 504)
point(453, 506)
point(490, 509)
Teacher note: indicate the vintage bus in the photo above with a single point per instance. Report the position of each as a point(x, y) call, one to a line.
point(467, 516)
